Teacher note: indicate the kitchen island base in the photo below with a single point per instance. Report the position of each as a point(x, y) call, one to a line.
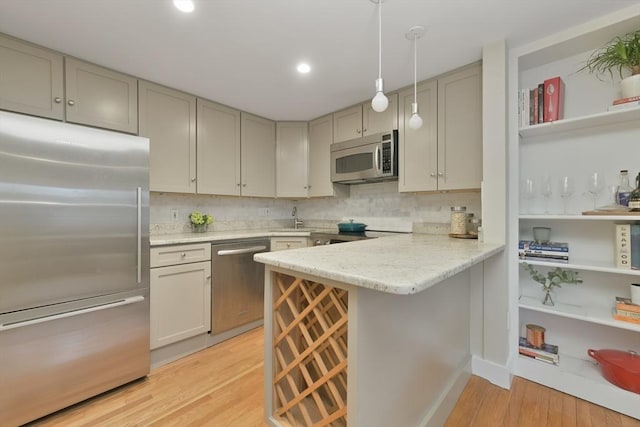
point(338, 354)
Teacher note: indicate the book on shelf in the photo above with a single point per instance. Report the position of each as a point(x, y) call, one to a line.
point(523, 104)
point(553, 99)
point(627, 106)
point(635, 246)
point(533, 115)
point(623, 303)
point(548, 353)
point(542, 258)
point(626, 318)
point(630, 314)
point(532, 245)
point(541, 103)
point(623, 246)
point(625, 100)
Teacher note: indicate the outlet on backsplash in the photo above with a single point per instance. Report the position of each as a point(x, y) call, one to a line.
point(174, 215)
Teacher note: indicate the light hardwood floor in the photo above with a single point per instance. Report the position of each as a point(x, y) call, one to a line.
point(222, 386)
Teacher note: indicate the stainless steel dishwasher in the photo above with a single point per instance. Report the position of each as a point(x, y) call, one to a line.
point(237, 296)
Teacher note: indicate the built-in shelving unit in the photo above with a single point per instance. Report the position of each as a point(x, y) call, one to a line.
point(588, 139)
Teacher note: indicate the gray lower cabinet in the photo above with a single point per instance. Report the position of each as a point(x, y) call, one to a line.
point(180, 293)
point(31, 79)
point(44, 83)
point(168, 119)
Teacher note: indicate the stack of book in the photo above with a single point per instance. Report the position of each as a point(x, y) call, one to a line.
point(627, 249)
point(541, 104)
point(626, 310)
point(625, 103)
point(548, 353)
point(549, 251)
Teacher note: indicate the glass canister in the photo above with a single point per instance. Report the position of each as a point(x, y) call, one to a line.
point(473, 225)
point(458, 220)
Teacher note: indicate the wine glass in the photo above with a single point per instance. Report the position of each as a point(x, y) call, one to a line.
point(595, 185)
point(546, 189)
point(528, 190)
point(566, 189)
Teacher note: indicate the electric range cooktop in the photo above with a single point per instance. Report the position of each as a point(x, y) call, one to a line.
point(319, 239)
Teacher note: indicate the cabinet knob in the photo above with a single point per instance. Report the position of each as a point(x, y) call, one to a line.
point(288, 245)
point(432, 174)
point(208, 277)
point(358, 131)
point(193, 180)
point(244, 185)
point(238, 184)
point(305, 187)
point(57, 100)
point(364, 130)
point(440, 173)
point(71, 102)
point(183, 255)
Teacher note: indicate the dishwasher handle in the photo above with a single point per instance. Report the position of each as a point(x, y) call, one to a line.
point(243, 250)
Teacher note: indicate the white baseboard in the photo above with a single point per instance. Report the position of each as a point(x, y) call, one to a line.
point(499, 375)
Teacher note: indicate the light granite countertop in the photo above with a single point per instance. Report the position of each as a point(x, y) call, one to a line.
point(213, 236)
point(404, 264)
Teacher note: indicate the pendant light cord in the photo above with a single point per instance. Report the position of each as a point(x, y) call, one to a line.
point(415, 71)
point(379, 39)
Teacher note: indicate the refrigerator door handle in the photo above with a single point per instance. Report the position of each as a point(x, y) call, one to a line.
point(139, 220)
point(125, 301)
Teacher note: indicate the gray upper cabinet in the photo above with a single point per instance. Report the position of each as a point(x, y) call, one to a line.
point(361, 120)
point(99, 97)
point(320, 139)
point(31, 79)
point(258, 156)
point(292, 154)
point(218, 149)
point(168, 119)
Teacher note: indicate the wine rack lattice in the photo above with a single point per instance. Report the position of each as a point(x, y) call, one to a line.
point(310, 352)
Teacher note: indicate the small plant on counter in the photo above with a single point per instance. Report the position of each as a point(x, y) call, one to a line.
point(200, 221)
point(553, 279)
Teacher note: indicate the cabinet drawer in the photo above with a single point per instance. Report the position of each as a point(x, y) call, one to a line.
point(279, 244)
point(180, 254)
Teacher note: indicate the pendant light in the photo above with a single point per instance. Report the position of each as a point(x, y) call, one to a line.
point(415, 122)
point(379, 102)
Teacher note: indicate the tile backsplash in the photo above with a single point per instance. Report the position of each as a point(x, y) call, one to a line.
point(379, 205)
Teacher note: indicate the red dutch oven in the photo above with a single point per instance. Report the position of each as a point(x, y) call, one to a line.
point(621, 368)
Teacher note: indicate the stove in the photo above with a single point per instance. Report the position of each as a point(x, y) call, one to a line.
point(319, 239)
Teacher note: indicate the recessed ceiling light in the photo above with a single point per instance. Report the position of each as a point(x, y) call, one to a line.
point(303, 68)
point(185, 6)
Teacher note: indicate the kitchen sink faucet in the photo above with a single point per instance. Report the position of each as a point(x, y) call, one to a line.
point(297, 222)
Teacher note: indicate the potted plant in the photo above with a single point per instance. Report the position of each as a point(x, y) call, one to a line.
point(200, 221)
point(553, 279)
point(622, 55)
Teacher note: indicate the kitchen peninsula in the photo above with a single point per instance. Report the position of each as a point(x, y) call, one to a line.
point(383, 324)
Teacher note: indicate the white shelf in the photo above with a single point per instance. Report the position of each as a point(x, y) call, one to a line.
point(592, 314)
point(585, 266)
point(593, 120)
point(582, 217)
point(580, 378)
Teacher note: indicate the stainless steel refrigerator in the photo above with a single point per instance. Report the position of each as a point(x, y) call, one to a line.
point(74, 264)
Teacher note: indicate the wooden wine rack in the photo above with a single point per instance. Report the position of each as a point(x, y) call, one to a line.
point(310, 352)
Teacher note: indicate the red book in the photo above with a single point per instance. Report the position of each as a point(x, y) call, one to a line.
point(553, 99)
point(625, 100)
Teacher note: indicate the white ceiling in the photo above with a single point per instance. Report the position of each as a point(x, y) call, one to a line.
point(243, 53)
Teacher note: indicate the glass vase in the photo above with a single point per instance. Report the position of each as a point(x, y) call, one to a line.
point(199, 228)
point(547, 297)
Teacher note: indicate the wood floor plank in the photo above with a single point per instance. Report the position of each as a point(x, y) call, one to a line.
point(223, 386)
point(469, 402)
point(518, 386)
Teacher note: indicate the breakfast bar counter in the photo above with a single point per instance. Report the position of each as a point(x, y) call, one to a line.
point(382, 324)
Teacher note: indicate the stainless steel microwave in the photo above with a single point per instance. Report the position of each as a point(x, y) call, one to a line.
point(367, 159)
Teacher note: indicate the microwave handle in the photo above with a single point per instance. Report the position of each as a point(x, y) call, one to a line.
point(376, 159)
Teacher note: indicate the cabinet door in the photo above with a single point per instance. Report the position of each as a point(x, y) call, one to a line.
point(180, 302)
point(460, 129)
point(168, 119)
point(218, 149)
point(30, 79)
point(347, 124)
point(374, 122)
point(292, 156)
point(418, 157)
point(320, 139)
point(99, 97)
point(258, 156)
